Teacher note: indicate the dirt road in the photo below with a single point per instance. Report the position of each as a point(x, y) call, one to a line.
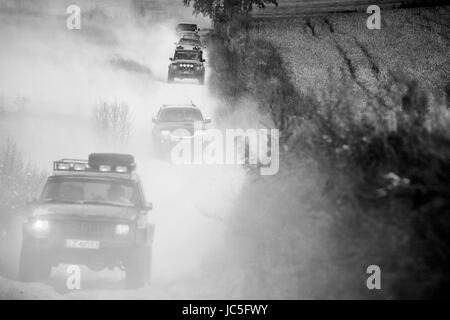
point(51, 81)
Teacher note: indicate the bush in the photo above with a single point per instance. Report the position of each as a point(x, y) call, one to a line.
point(385, 168)
point(114, 120)
point(18, 181)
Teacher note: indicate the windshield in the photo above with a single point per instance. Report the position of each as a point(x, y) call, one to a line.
point(187, 55)
point(191, 34)
point(190, 42)
point(180, 114)
point(91, 191)
point(187, 27)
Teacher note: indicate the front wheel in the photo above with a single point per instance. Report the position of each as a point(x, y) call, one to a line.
point(34, 266)
point(170, 78)
point(137, 269)
point(201, 80)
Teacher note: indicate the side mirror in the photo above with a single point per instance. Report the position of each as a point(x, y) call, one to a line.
point(203, 60)
point(148, 206)
point(198, 29)
point(171, 59)
point(208, 120)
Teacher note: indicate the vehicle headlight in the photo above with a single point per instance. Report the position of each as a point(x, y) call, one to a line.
point(40, 226)
point(199, 68)
point(122, 229)
point(173, 66)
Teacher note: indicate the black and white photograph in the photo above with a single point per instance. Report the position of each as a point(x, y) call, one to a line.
point(247, 151)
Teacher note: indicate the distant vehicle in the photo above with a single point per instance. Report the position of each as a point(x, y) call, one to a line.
point(190, 34)
point(186, 27)
point(189, 44)
point(187, 64)
point(177, 122)
point(91, 212)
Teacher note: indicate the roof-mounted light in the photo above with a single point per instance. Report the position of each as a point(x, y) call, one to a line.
point(98, 162)
point(70, 165)
point(63, 166)
point(104, 168)
point(80, 166)
point(121, 169)
point(112, 162)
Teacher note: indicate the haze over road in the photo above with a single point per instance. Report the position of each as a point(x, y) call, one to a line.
point(51, 81)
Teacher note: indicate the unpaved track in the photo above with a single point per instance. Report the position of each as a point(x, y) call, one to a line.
point(52, 79)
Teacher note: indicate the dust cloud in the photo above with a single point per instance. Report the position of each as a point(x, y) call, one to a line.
point(51, 80)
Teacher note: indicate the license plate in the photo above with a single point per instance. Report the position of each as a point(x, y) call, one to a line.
point(187, 72)
point(82, 244)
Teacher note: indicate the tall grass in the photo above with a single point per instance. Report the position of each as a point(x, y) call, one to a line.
point(114, 120)
point(19, 181)
point(385, 171)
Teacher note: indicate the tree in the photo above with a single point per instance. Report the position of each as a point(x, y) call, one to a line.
point(224, 10)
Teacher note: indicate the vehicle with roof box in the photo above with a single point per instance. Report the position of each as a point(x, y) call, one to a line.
point(187, 64)
point(183, 28)
point(189, 44)
point(90, 212)
point(176, 122)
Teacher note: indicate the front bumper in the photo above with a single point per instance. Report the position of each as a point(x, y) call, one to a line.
point(53, 248)
point(186, 74)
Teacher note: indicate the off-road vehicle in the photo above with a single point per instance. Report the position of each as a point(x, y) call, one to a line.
point(187, 64)
point(186, 27)
point(91, 212)
point(189, 44)
point(191, 35)
point(176, 122)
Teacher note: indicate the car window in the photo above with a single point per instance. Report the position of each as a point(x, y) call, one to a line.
point(190, 42)
point(187, 27)
point(187, 55)
point(82, 190)
point(191, 34)
point(180, 114)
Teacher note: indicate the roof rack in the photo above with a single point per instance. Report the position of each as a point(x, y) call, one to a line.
point(99, 163)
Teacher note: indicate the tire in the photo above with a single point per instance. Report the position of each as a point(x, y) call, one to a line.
point(138, 267)
point(170, 78)
point(34, 265)
point(201, 80)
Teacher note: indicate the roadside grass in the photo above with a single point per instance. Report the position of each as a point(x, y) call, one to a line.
point(18, 180)
point(380, 192)
point(414, 41)
point(113, 120)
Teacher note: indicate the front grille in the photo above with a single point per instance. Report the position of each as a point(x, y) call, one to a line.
point(84, 229)
point(186, 67)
